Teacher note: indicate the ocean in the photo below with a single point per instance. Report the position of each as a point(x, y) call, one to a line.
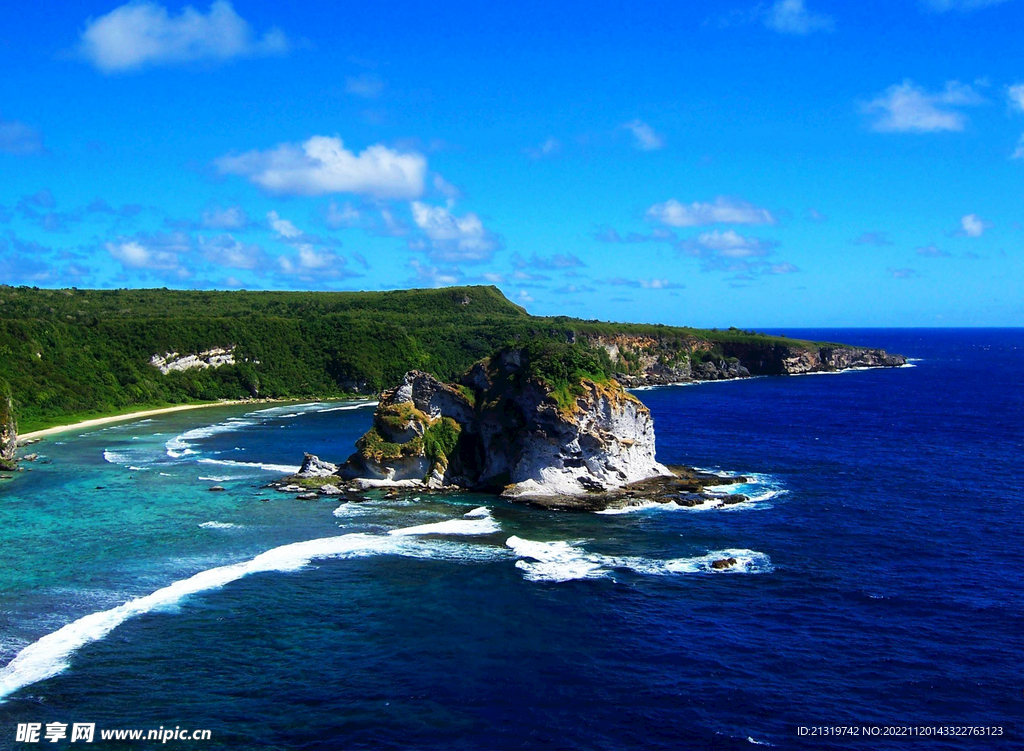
point(879, 579)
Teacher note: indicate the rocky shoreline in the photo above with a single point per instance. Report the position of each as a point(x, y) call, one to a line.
point(649, 361)
point(684, 486)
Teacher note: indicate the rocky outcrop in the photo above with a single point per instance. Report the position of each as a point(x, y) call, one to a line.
point(8, 429)
point(314, 466)
point(644, 360)
point(502, 430)
point(211, 358)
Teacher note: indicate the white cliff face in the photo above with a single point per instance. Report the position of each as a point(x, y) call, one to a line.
point(519, 440)
point(211, 358)
point(607, 443)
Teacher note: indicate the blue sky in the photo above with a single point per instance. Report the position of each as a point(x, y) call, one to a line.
point(790, 163)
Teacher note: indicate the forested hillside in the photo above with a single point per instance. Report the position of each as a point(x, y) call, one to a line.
point(70, 353)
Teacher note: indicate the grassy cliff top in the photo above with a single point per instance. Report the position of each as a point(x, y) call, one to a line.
point(68, 352)
point(466, 303)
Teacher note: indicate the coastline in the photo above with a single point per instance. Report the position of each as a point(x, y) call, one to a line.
point(36, 435)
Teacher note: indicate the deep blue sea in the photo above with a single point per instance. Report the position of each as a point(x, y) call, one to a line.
point(882, 561)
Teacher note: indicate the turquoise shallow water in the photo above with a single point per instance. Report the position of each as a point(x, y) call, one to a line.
point(879, 580)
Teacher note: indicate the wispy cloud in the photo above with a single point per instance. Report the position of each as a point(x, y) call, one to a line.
point(20, 139)
point(549, 147)
point(644, 137)
point(904, 273)
point(909, 108)
point(793, 17)
point(878, 239)
point(932, 251)
point(722, 210)
point(366, 85)
point(323, 165)
point(943, 6)
point(141, 34)
point(645, 283)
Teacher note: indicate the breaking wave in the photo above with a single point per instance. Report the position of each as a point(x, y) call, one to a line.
point(562, 561)
point(51, 655)
point(285, 469)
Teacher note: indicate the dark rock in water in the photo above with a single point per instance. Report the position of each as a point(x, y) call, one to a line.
point(216, 489)
point(723, 563)
point(731, 500)
point(314, 466)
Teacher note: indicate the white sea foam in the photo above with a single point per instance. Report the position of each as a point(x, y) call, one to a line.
point(354, 509)
point(480, 512)
point(285, 469)
point(181, 445)
point(346, 407)
point(220, 525)
point(51, 654)
point(214, 478)
point(115, 457)
point(561, 561)
point(479, 525)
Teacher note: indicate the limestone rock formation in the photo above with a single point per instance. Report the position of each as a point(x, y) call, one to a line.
point(503, 430)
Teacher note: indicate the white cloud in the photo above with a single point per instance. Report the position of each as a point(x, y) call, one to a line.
point(227, 251)
point(792, 17)
point(453, 238)
point(731, 244)
point(138, 34)
point(310, 262)
point(722, 211)
point(646, 138)
point(284, 228)
point(973, 225)
point(20, 139)
point(1015, 94)
point(908, 108)
point(323, 165)
point(233, 217)
point(783, 268)
point(152, 252)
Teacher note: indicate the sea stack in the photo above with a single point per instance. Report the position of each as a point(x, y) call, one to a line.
point(507, 428)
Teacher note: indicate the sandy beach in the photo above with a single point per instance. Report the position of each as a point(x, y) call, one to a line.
point(37, 434)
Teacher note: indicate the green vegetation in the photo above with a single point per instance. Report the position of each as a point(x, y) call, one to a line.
point(71, 354)
point(440, 440)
